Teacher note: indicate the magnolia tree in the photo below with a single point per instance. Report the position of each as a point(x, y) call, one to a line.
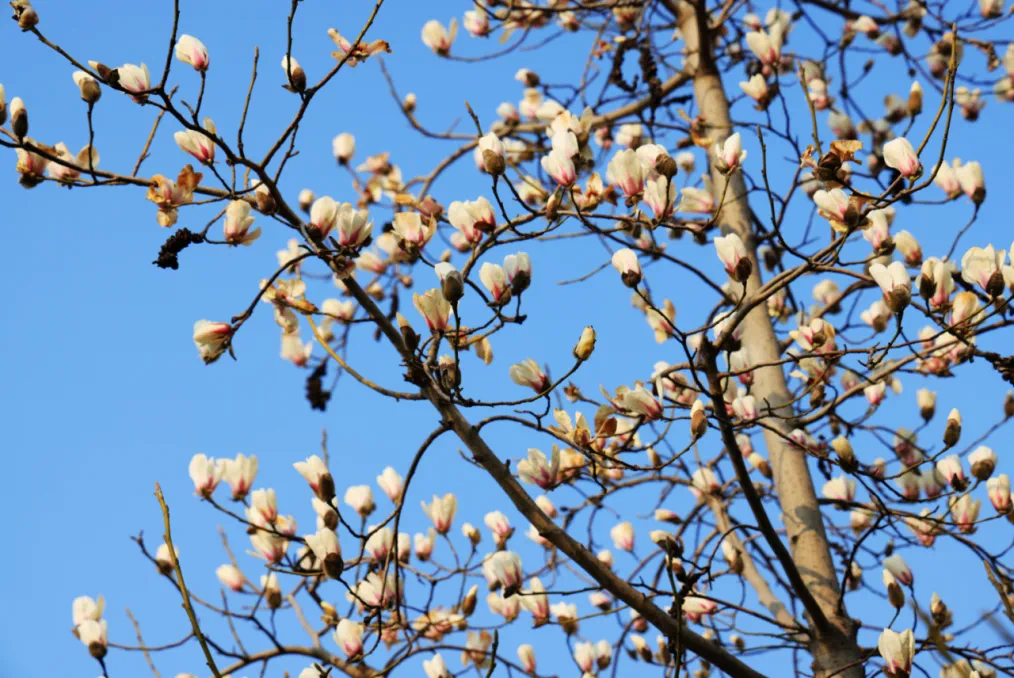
point(796, 495)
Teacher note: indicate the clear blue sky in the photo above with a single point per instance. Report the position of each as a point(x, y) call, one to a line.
point(103, 392)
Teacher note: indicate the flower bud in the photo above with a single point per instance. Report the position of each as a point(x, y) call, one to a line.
point(983, 461)
point(927, 401)
point(915, 99)
point(408, 105)
point(1008, 405)
point(698, 419)
point(468, 602)
point(294, 73)
point(846, 455)
point(306, 198)
point(665, 165)
point(19, 118)
point(953, 430)
point(26, 16)
point(472, 533)
point(453, 286)
point(90, 90)
point(586, 344)
point(493, 162)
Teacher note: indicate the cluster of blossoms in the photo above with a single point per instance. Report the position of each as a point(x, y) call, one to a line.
point(805, 365)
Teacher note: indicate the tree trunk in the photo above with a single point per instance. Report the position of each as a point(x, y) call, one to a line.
point(833, 647)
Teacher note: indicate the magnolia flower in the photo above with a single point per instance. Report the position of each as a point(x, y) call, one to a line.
point(894, 283)
point(199, 144)
point(343, 147)
point(269, 546)
point(134, 79)
point(560, 167)
point(192, 51)
point(909, 248)
point(500, 526)
point(639, 401)
point(379, 543)
point(745, 408)
point(965, 511)
point(695, 607)
point(353, 226)
point(472, 218)
point(164, 558)
point(729, 155)
point(983, 267)
point(438, 38)
point(239, 473)
point(982, 461)
point(732, 252)
point(294, 350)
point(349, 637)
point(877, 315)
point(998, 489)
point(685, 161)
point(360, 499)
point(424, 544)
point(841, 489)
point(230, 576)
point(93, 635)
point(391, 482)
point(211, 339)
point(625, 262)
point(528, 373)
point(506, 567)
point(899, 155)
point(537, 470)
point(327, 550)
point(697, 200)
point(441, 511)
point(622, 535)
point(518, 268)
point(495, 280)
point(625, 171)
point(660, 196)
point(205, 473)
point(756, 88)
point(971, 180)
point(897, 566)
point(704, 481)
point(435, 667)
point(238, 222)
point(950, 468)
point(84, 609)
point(767, 47)
point(897, 649)
point(490, 151)
point(434, 308)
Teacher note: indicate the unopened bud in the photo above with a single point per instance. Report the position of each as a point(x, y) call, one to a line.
point(744, 267)
point(19, 118)
point(3, 105)
point(100, 68)
point(667, 542)
point(586, 344)
point(493, 162)
point(698, 420)
point(407, 333)
point(453, 286)
point(97, 650)
point(915, 99)
point(666, 165)
point(325, 487)
point(953, 430)
point(297, 79)
point(995, 286)
point(760, 463)
point(408, 105)
point(273, 598)
point(846, 455)
point(895, 595)
point(90, 90)
point(26, 15)
point(472, 533)
point(468, 602)
point(333, 567)
point(1008, 405)
point(306, 198)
